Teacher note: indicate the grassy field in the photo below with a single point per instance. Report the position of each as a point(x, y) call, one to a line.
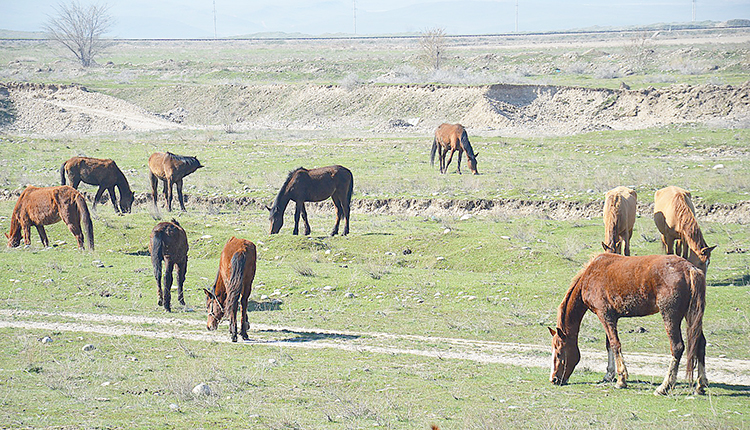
point(489, 277)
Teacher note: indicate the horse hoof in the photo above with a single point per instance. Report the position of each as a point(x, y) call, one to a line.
point(699, 391)
point(621, 384)
point(245, 337)
point(661, 391)
point(234, 338)
point(160, 303)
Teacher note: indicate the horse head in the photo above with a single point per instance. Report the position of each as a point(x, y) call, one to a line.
point(14, 238)
point(565, 356)
point(702, 259)
point(215, 310)
point(126, 201)
point(276, 217)
point(472, 163)
point(612, 249)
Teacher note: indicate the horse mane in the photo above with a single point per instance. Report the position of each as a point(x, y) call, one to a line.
point(186, 159)
point(687, 225)
point(562, 311)
point(467, 145)
point(282, 190)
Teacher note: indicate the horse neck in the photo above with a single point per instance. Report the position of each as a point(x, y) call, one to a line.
point(571, 311)
point(122, 182)
point(282, 199)
point(693, 236)
point(15, 226)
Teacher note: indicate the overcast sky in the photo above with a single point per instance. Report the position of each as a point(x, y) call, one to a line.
point(195, 18)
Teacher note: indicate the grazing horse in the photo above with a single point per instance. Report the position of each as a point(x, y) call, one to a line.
point(232, 286)
point(101, 172)
point(452, 137)
point(674, 215)
point(314, 185)
point(170, 168)
point(169, 244)
point(43, 206)
point(614, 286)
point(619, 219)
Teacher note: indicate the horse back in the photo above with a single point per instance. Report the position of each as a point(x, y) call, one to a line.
point(673, 209)
point(621, 286)
point(318, 184)
point(620, 205)
point(449, 135)
point(174, 240)
point(94, 171)
point(42, 205)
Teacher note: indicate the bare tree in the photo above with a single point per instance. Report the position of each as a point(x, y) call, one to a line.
point(79, 28)
point(432, 46)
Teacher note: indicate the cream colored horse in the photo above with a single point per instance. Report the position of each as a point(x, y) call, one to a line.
point(619, 218)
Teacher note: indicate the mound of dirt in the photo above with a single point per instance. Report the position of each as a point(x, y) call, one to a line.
point(505, 109)
point(52, 109)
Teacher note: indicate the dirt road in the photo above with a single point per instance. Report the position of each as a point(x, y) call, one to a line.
point(648, 366)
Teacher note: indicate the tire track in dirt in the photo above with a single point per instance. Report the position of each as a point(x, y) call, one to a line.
point(651, 366)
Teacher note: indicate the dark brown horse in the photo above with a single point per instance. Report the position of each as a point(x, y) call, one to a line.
point(169, 244)
point(101, 172)
point(314, 185)
point(614, 286)
point(170, 168)
point(674, 215)
point(232, 287)
point(452, 137)
point(44, 206)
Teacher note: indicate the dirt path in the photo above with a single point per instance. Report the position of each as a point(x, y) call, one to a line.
point(650, 366)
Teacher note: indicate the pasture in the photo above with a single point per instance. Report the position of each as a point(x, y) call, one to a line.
point(493, 277)
point(434, 309)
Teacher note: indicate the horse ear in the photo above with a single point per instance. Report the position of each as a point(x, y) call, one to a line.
point(605, 247)
point(476, 154)
point(707, 251)
point(561, 333)
point(551, 331)
point(269, 209)
point(208, 293)
point(7, 235)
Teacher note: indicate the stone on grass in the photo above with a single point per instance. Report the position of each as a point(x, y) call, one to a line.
point(88, 347)
point(46, 339)
point(202, 390)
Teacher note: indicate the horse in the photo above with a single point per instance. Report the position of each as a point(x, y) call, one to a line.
point(614, 286)
point(169, 243)
point(170, 168)
point(313, 185)
point(452, 137)
point(619, 219)
point(674, 215)
point(101, 172)
point(44, 206)
point(232, 286)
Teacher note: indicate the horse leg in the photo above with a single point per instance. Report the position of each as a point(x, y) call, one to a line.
point(339, 215)
point(610, 375)
point(154, 187)
point(179, 195)
point(610, 327)
point(157, 275)
point(168, 194)
point(245, 322)
point(347, 210)
point(98, 196)
point(450, 158)
point(181, 271)
point(72, 219)
point(27, 234)
point(297, 213)
point(628, 235)
point(668, 244)
point(168, 286)
point(42, 235)
point(233, 321)
point(672, 324)
point(443, 153)
point(460, 156)
point(700, 388)
point(303, 212)
point(113, 198)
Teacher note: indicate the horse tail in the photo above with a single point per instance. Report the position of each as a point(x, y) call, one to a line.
point(694, 318)
point(86, 219)
point(350, 191)
point(62, 174)
point(466, 145)
point(157, 253)
point(236, 274)
point(433, 151)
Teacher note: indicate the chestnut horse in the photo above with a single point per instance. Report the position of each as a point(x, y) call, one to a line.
point(674, 215)
point(44, 206)
point(314, 185)
point(101, 172)
point(170, 168)
point(614, 286)
point(232, 286)
point(619, 218)
point(169, 243)
point(452, 137)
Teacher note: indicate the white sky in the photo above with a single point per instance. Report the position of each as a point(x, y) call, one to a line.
point(195, 18)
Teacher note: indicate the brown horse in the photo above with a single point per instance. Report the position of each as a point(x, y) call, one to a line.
point(674, 215)
point(101, 172)
point(169, 244)
point(232, 286)
point(170, 168)
point(314, 185)
point(452, 137)
point(43, 206)
point(619, 218)
point(613, 286)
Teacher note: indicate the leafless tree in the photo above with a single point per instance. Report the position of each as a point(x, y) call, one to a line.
point(79, 28)
point(432, 46)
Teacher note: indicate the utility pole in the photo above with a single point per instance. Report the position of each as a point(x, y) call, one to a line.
point(354, 11)
point(215, 37)
point(516, 16)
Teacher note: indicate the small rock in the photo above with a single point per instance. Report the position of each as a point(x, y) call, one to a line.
point(328, 251)
point(46, 339)
point(88, 347)
point(390, 253)
point(271, 361)
point(329, 288)
point(446, 231)
point(202, 390)
point(464, 217)
point(407, 251)
point(206, 236)
point(264, 297)
point(440, 258)
point(718, 166)
point(350, 295)
point(174, 407)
